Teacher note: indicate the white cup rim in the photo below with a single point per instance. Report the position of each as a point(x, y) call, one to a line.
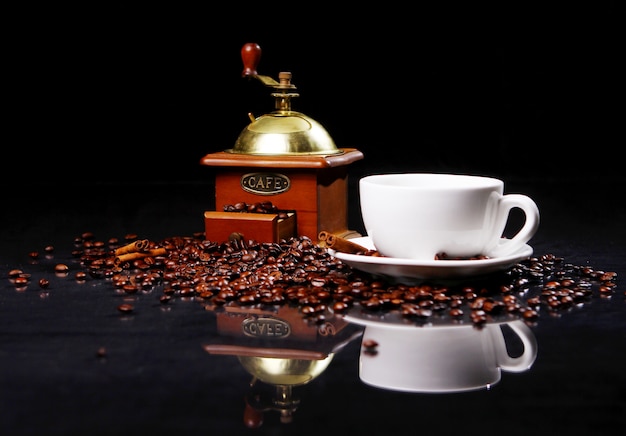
point(445, 181)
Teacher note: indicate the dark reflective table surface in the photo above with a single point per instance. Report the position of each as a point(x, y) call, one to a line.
point(71, 362)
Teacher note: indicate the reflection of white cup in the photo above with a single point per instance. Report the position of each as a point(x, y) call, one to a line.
point(418, 215)
point(448, 358)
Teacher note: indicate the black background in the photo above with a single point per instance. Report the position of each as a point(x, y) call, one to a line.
point(110, 108)
point(121, 95)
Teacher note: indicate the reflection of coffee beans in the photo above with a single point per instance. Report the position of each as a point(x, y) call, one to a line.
point(299, 272)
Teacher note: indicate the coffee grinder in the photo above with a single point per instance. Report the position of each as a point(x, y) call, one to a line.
point(283, 158)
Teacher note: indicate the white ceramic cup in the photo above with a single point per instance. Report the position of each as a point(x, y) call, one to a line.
point(419, 215)
point(442, 358)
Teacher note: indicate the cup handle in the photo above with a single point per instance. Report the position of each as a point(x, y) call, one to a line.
point(501, 248)
point(526, 359)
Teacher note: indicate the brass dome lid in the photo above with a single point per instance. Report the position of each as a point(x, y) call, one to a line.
point(285, 133)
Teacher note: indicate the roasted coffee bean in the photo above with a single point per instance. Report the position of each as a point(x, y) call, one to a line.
point(530, 314)
point(478, 317)
point(605, 290)
point(80, 276)
point(608, 276)
point(61, 268)
point(15, 273)
point(456, 312)
point(20, 281)
point(369, 343)
point(340, 306)
point(125, 308)
point(534, 301)
point(129, 288)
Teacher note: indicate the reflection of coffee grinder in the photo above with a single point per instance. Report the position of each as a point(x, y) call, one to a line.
point(284, 158)
point(281, 349)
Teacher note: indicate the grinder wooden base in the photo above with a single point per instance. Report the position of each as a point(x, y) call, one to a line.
point(315, 186)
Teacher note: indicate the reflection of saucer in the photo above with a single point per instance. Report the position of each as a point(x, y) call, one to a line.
point(395, 321)
point(410, 270)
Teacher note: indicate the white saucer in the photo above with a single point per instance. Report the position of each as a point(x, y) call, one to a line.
point(409, 270)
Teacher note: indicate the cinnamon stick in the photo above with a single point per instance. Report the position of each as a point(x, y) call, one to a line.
point(344, 245)
point(132, 247)
point(321, 238)
point(127, 257)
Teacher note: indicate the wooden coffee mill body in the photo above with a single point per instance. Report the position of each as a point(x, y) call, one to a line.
point(285, 158)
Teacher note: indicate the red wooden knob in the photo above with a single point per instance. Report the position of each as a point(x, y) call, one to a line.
point(251, 55)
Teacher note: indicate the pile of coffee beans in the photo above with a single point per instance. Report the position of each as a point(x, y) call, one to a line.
point(302, 273)
point(258, 207)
